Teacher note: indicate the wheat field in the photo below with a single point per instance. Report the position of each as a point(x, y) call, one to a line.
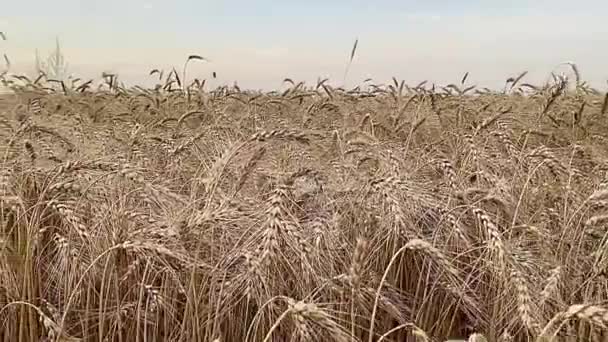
point(380, 213)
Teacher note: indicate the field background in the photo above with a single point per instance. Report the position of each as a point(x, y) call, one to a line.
point(388, 212)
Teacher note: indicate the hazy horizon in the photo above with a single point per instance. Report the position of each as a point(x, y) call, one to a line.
point(258, 44)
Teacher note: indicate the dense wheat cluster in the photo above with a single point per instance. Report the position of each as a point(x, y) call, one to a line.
point(315, 214)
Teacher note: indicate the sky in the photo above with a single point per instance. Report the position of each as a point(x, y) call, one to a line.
point(259, 43)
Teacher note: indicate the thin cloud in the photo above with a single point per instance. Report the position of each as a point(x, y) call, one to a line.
point(272, 52)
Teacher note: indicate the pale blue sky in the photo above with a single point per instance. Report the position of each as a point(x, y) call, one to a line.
point(258, 43)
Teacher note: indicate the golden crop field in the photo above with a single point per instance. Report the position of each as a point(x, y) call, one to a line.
point(381, 213)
